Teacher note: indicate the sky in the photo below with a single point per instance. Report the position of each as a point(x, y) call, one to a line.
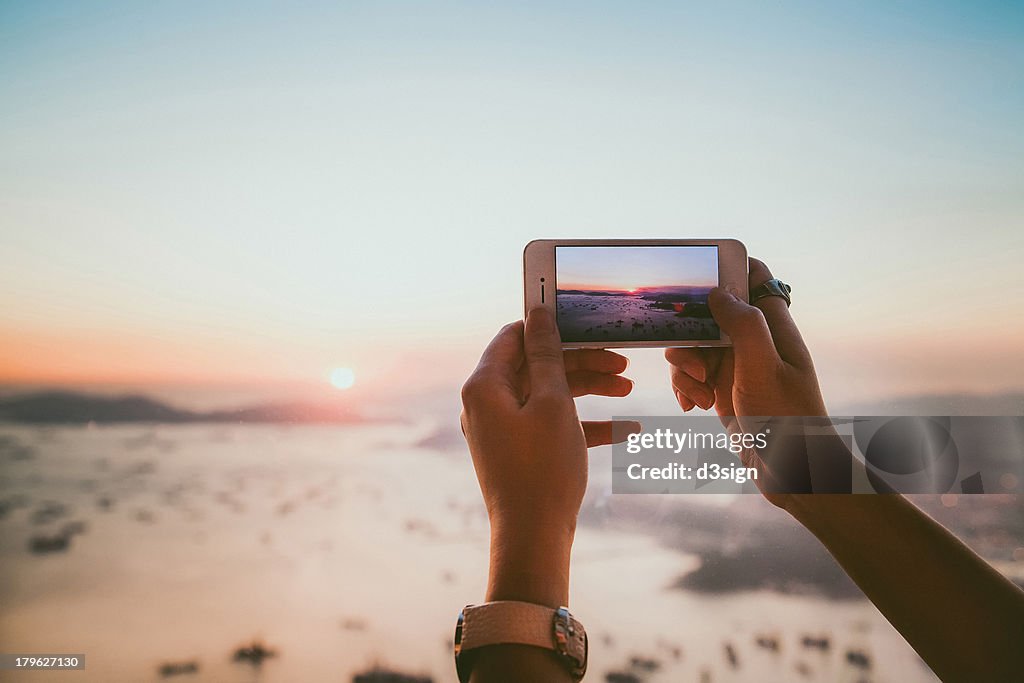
point(633, 268)
point(224, 193)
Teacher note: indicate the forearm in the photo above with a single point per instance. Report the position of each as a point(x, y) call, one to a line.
point(526, 565)
point(964, 618)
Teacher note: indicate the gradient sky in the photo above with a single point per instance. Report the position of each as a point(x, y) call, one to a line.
point(214, 192)
point(630, 268)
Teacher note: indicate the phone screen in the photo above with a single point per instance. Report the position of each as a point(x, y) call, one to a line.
point(635, 293)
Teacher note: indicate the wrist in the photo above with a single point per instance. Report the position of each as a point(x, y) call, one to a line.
point(806, 462)
point(530, 562)
point(803, 508)
point(829, 514)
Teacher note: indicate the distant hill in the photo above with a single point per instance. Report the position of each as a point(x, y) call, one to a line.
point(63, 407)
point(592, 292)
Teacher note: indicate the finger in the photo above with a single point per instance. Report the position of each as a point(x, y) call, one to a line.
point(745, 325)
point(690, 361)
point(607, 431)
point(710, 359)
point(584, 382)
point(596, 360)
point(543, 350)
point(684, 403)
point(586, 360)
point(697, 392)
point(713, 361)
point(786, 335)
point(495, 374)
point(723, 384)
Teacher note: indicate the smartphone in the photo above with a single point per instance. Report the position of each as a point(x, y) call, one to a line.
point(633, 293)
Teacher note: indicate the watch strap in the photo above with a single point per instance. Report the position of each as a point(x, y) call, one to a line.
point(507, 622)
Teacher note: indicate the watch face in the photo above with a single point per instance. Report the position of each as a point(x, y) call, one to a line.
point(458, 633)
point(566, 630)
point(463, 667)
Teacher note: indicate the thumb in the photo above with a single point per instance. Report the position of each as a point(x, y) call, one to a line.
point(745, 325)
point(543, 349)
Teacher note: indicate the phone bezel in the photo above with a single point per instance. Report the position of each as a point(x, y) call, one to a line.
point(539, 281)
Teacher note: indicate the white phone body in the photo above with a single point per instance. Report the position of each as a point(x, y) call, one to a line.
point(603, 300)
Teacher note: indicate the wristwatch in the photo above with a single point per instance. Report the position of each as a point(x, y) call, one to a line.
point(773, 287)
point(507, 622)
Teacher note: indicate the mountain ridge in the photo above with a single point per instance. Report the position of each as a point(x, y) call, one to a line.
point(71, 407)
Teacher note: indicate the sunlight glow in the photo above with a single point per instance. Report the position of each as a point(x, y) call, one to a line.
point(343, 378)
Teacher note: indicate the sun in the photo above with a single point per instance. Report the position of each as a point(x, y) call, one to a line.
point(343, 378)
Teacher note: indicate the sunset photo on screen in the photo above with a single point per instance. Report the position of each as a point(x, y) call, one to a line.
point(635, 293)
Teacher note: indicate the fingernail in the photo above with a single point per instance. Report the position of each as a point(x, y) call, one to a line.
point(682, 401)
point(704, 400)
